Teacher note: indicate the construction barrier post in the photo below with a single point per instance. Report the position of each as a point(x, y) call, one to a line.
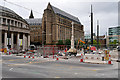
point(81, 59)
point(57, 57)
point(24, 56)
point(109, 61)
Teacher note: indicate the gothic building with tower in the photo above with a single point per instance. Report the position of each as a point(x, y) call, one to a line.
point(14, 30)
point(35, 25)
point(56, 25)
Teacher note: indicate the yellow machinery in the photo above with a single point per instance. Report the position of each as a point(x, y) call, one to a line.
point(81, 41)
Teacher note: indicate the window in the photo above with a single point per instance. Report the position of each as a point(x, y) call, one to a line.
point(4, 21)
point(8, 21)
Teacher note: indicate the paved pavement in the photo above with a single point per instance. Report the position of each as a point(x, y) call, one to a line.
point(19, 67)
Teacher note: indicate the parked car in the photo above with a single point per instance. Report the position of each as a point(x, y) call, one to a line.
point(32, 47)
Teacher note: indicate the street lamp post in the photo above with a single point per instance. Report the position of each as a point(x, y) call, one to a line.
point(91, 26)
point(8, 36)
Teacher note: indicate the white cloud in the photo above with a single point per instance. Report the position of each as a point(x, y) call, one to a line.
point(105, 11)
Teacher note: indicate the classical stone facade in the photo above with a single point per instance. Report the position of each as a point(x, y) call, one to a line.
point(56, 25)
point(19, 34)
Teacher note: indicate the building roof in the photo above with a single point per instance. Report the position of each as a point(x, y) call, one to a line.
point(114, 27)
point(60, 12)
point(34, 21)
point(10, 13)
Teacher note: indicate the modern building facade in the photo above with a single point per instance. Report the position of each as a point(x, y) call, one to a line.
point(56, 25)
point(88, 37)
point(35, 25)
point(113, 34)
point(18, 36)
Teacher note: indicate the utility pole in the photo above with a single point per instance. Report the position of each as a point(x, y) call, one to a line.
point(91, 26)
point(97, 34)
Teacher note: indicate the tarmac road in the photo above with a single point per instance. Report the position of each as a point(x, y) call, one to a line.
point(19, 67)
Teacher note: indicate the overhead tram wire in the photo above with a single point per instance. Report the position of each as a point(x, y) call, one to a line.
point(20, 6)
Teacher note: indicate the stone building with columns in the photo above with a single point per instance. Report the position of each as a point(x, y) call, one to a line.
point(19, 34)
point(56, 25)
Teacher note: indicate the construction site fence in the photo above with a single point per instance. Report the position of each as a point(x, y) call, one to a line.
point(47, 50)
point(79, 47)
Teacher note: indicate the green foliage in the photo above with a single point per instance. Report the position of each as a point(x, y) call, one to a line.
point(60, 42)
point(95, 43)
point(67, 42)
point(114, 42)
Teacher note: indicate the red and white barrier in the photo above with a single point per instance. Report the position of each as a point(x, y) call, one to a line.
point(93, 58)
point(29, 55)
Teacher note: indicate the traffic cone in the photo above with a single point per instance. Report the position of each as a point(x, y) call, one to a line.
point(81, 60)
point(109, 61)
point(24, 56)
point(9, 53)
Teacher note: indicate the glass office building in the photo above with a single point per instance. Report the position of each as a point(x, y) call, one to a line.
point(114, 34)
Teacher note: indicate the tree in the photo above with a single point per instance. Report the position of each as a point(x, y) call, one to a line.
point(113, 42)
point(95, 43)
point(60, 42)
point(67, 42)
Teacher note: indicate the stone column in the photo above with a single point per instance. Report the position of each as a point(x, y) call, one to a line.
point(5, 40)
point(12, 39)
point(18, 41)
point(0, 39)
point(28, 40)
point(10, 22)
point(65, 33)
point(17, 24)
point(72, 38)
point(1, 20)
point(13, 23)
